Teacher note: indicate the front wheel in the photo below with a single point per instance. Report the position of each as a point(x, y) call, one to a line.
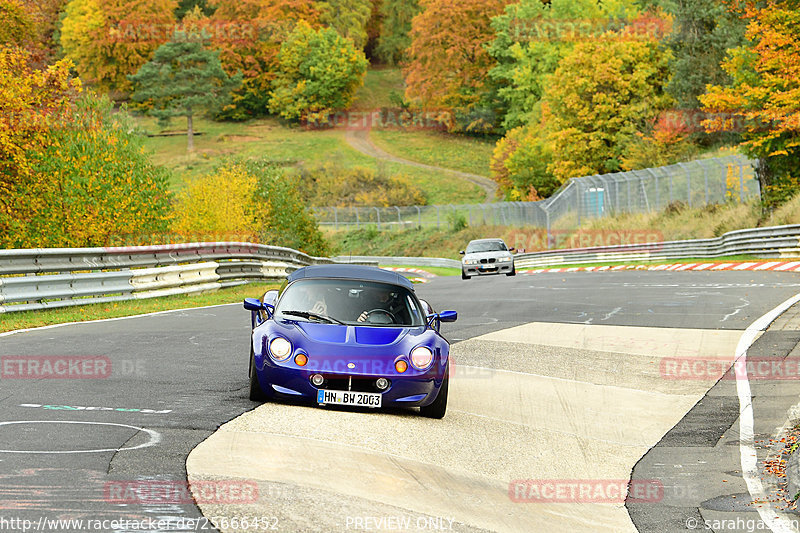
point(439, 406)
point(513, 271)
point(464, 276)
point(256, 394)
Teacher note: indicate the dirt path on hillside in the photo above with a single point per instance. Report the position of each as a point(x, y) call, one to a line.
point(359, 140)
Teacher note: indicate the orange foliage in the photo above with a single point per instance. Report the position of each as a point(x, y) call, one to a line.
point(448, 61)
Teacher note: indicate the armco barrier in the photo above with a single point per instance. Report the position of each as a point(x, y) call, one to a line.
point(62, 277)
point(771, 242)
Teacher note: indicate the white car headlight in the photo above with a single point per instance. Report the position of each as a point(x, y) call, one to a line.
point(421, 357)
point(470, 261)
point(280, 348)
point(504, 260)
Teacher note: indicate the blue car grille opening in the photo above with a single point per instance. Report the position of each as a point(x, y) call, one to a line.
point(358, 383)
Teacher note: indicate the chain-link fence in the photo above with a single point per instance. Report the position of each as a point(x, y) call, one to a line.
point(701, 182)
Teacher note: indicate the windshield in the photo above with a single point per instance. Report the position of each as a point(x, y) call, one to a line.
point(487, 246)
point(351, 302)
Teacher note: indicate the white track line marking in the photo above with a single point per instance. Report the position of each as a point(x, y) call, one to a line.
point(749, 457)
point(51, 326)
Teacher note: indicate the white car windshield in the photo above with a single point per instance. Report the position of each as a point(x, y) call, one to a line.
point(350, 302)
point(488, 246)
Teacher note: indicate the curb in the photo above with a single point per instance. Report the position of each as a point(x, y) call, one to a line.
point(793, 475)
point(778, 266)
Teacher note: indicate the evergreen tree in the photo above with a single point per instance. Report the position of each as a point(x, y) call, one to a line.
point(183, 78)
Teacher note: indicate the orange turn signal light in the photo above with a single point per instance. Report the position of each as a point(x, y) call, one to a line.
point(301, 359)
point(401, 366)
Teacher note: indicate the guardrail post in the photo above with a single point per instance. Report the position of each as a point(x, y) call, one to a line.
point(705, 177)
point(419, 216)
point(438, 225)
point(358, 220)
point(399, 220)
point(335, 218)
point(378, 213)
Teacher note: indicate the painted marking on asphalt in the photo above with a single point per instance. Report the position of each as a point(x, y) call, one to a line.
point(767, 266)
point(703, 266)
point(747, 451)
point(154, 437)
point(81, 408)
point(788, 266)
point(722, 266)
point(744, 266)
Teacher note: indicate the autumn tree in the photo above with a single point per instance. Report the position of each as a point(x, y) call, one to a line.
point(17, 24)
point(184, 78)
point(448, 62)
point(395, 30)
point(348, 17)
point(600, 95)
point(72, 173)
point(318, 72)
point(110, 39)
point(532, 37)
point(763, 99)
point(248, 34)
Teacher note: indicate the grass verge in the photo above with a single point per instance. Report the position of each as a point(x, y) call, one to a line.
point(437, 271)
point(33, 319)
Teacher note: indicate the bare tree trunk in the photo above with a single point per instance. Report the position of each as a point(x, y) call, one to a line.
point(190, 132)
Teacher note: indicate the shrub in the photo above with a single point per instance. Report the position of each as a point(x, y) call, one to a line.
point(319, 72)
point(333, 185)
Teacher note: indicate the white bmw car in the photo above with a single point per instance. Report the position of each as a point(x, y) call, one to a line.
point(487, 256)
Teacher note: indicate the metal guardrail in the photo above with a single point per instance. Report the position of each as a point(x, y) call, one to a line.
point(770, 242)
point(400, 261)
point(45, 278)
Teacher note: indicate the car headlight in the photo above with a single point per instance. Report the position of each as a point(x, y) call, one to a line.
point(470, 261)
point(280, 348)
point(504, 260)
point(421, 357)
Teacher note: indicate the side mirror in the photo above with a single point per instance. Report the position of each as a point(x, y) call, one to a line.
point(461, 252)
point(512, 249)
point(448, 316)
point(253, 304)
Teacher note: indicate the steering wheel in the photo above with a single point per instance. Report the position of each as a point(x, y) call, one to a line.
point(391, 317)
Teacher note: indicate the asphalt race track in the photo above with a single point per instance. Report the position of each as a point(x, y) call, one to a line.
point(557, 378)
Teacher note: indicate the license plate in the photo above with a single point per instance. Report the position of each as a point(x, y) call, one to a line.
point(338, 397)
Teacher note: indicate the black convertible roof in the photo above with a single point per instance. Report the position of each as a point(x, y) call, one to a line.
point(359, 272)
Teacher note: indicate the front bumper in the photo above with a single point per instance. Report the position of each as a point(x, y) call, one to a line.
point(483, 269)
point(410, 389)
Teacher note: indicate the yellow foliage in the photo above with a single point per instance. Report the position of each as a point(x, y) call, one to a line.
point(219, 205)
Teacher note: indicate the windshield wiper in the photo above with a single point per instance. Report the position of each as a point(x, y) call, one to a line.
point(306, 314)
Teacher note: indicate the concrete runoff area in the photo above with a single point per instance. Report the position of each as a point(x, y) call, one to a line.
point(538, 422)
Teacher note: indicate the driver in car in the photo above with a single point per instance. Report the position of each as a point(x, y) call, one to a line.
point(376, 300)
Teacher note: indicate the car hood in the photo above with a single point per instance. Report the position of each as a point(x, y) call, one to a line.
point(352, 335)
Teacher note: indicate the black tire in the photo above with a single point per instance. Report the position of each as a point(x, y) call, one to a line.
point(256, 394)
point(439, 406)
point(513, 271)
point(464, 276)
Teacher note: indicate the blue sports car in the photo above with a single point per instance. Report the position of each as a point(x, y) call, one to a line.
point(349, 335)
